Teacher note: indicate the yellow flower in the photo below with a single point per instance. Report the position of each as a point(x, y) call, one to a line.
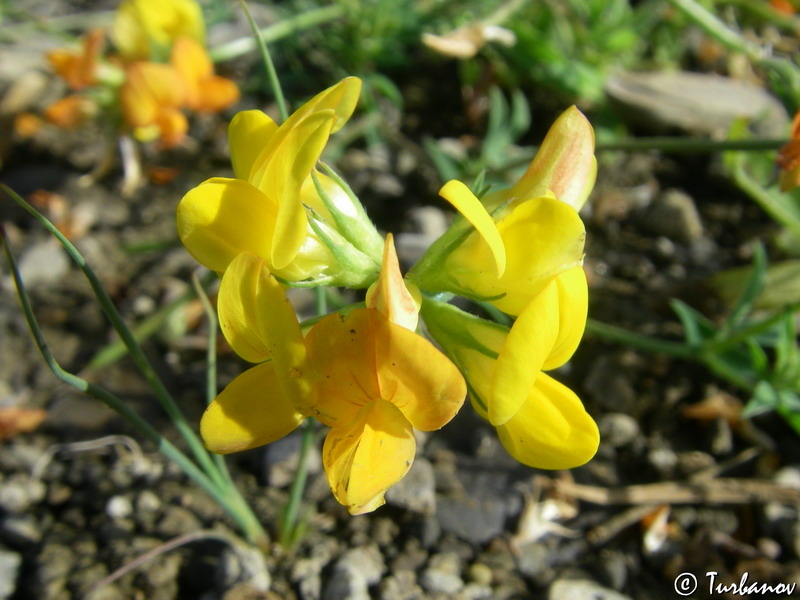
point(204, 91)
point(146, 29)
point(305, 225)
point(368, 378)
point(151, 98)
point(523, 236)
point(540, 422)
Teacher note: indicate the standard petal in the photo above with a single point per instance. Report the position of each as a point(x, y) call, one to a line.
point(341, 350)
point(525, 350)
point(564, 164)
point(248, 134)
point(366, 457)
point(282, 177)
point(573, 303)
point(250, 412)
point(465, 202)
point(416, 377)
point(223, 217)
point(341, 97)
point(390, 294)
point(552, 430)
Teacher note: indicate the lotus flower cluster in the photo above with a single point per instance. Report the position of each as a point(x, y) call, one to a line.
point(285, 219)
point(157, 70)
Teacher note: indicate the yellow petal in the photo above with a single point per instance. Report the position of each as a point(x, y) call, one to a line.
point(221, 218)
point(282, 178)
point(149, 88)
point(542, 237)
point(250, 412)
point(564, 163)
point(551, 430)
point(172, 127)
point(525, 350)
point(238, 307)
point(248, 134)
point(390, 295)
point(366, 457)
point(258, 321)
point(141, 24)
point(573, 302)
point(465, 202)
point(416, 377)
point(218, 94)
point(341, 97)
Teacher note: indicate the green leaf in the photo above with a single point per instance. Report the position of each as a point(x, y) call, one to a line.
point(696, 327)
point(752, 288)
point(764, 400)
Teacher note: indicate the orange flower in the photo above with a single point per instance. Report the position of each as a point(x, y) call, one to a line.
point(789, 158)
point(79, 69)
point(205, 91)
point(70, 112)
point(151, 98)
point(782, 6)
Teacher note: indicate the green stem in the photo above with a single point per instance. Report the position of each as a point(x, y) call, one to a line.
point(782, 212)
point(284, 28)
point(640, 341)
point(136, 352)
point(229, 500)
point(716, 28)
point(289, 528)
point(211, 362)
point(689, 145)
point(266, 58)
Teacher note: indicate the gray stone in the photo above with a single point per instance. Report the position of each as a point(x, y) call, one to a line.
point(9, 570)
point(475, 591)
point(480, 573)
point(401, 585)
point(21, 529)
point(119, 507)
point(472, 518)
point(244, 564)
point(19, 492)
point(582, 589)
point(610, 387)
point(178, 521)
point(674, 215)
point(618, 429)
point(280, 460)
point(696, 102)
point(354, 572)
point(416, 491)
point(443, 574)
point(44, 263)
